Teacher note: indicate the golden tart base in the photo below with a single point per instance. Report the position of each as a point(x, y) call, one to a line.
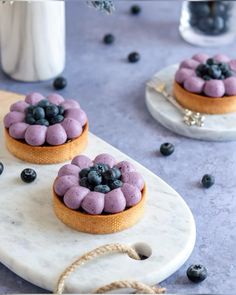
point(204, 104)
point(99, 224)
point(47, 154)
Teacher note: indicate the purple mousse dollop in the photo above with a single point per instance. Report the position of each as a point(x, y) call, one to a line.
point(75, 185)
point(213, 77)
point(50, 120)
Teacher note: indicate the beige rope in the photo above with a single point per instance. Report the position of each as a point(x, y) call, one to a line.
point(100, 251)
point(140, 287)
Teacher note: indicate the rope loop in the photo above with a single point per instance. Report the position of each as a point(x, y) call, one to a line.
point(101, 251)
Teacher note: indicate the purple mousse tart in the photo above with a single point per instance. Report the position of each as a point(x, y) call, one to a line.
point(38, 127)
point(207, 84)
point(100, 195)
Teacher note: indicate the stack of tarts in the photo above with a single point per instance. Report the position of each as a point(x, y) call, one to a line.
point(46, 130)
point(207, 84)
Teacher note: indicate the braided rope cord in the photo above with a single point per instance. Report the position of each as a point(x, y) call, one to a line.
point(101, 251)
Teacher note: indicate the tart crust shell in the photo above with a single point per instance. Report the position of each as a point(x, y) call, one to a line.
point(99, 224)
point(204, 104)
point(47, 154)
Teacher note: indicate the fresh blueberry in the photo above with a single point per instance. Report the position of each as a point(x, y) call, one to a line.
point(206, 78)
point(224, 67)
point(228, 74)
point(210, 61)
point(116, 184)
point(199, 8)
point(84, 172)
point(94, 177)
point(135, 9)
point(59, 83)
point(28, 175)
point(208, 180)
point(197, 273)
point(44, 103)
point(220, 8)
point(38, 113)
point(29, 119)
point(110, 175)
point(117, 171)
point(219, 24)
point(51, 111)
point(133, 57)
point(167, 149)
point(102, 188)
point(101, 167)
point(57, 119)
point(109, 39)
point(202, 70)
point(84, 182)
point(215, 72)
point(206, 25)
point(61, 110)
point(1, 168)
point(42, 122)
point(30, 109)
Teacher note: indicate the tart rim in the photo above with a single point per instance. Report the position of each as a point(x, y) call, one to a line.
point(204, 104)
point(102, 223)
point(47, 154)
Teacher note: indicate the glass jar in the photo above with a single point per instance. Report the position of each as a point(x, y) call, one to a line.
point(208, 23)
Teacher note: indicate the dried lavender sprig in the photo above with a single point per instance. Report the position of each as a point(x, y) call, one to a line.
point(102, 5)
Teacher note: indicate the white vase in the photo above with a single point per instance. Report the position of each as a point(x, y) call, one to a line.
point(32, 39)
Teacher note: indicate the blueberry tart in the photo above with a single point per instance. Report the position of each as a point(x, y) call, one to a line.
point(46, 130)
point(207, 84)
point(100, 196)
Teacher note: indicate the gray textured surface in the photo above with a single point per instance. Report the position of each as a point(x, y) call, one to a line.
point(112, 93)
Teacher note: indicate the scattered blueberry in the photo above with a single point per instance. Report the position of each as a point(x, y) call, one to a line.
point(208, 180)
point(51, 111)
point(116, 184)
point(135, 9)
point(167, 149)
point(102, 188)
point(133, 57)
point(197, 273)
point(59, 83)
point(28, 175)
point(1, 168)
point(84, 172)
point(94, 177)
point(109, 39)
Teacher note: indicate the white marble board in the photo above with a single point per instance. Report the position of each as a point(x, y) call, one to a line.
point(38, 247)
point(216, 128)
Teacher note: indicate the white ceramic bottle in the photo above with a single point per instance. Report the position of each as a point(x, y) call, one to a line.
point(32, 39)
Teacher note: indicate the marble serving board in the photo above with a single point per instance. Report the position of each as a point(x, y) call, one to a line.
point(216, 127)
point(38, 247)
